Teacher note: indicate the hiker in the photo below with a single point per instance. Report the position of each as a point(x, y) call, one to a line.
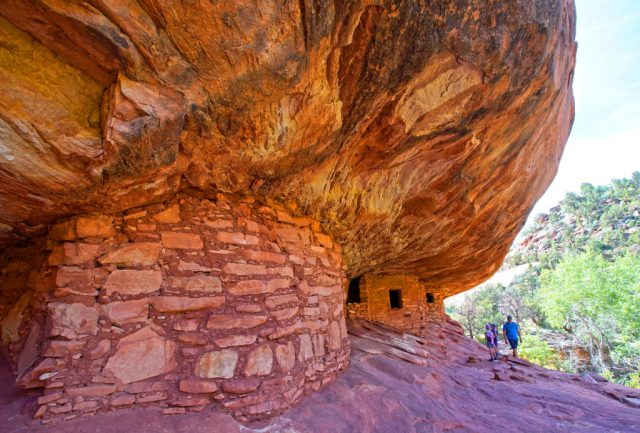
point(511, 333)
point(494, 329)
point(491, 342)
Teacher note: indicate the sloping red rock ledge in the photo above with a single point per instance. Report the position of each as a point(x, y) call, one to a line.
point(396, 383)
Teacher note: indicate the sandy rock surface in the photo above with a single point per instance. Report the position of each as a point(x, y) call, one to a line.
point(396, 383)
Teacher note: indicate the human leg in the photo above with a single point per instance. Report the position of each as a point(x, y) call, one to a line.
point(514, 346)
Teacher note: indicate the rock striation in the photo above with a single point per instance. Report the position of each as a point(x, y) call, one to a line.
point(419, 134)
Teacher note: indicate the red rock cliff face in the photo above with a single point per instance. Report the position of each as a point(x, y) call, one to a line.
point(418, 133)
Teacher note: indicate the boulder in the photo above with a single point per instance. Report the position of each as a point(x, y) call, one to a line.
point(306, 348)
point(73, 276)
point(101, 348)
point(196, 386)
point(60, 348)
point(97, 226)
point(30, 351)
point(78, 253)
point(286, 356)
point(318, 345)
point(236, 340)
point(180, 304)
point(181, 241)
point(244, 269)
point(259, 361)
point(97, 390)
point(334, 340)
point(198, 283)
point(170, 215)
point(130, 282)
point(232, 321)
point(72, 320)
point(125, 312)
point(136, 254)
point(240, 386)
point(257, 287)
point(221, 364)
point(141, 355)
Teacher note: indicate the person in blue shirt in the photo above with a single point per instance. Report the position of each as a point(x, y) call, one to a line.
point(511, 333)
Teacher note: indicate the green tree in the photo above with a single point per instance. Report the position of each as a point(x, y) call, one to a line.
point(596, 301)
point(479, 308)
point(535, 349)
point(580, 294)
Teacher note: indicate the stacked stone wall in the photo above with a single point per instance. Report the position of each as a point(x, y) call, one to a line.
point(359, 310)
point(416, 311)
point(435, 309)
point(191, 303)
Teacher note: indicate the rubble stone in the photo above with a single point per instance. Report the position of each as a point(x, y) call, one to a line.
point(72, 320)
point(221, 364)
point(259, 361)
point(141, 355)
point(129, 282)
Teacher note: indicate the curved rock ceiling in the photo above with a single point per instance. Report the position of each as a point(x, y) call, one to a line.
point(419, 133)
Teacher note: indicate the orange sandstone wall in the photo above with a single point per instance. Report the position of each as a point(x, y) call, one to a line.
point(181, 305)
point(415, 311)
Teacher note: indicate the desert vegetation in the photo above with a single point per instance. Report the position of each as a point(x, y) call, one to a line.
point(578, 294)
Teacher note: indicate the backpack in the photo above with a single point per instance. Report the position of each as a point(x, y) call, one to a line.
point(490, 337)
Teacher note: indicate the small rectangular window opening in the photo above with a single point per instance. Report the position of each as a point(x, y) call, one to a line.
point(353, 295)
point(430, 298)
point(395, 299)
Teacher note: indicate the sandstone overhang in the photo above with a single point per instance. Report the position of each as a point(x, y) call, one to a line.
point(419, 134)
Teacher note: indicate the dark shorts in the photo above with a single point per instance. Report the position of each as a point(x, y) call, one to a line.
point(490, 345)
point(513, 343)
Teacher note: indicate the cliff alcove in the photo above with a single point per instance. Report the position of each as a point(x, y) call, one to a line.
point(194, 182)
point(419, 134)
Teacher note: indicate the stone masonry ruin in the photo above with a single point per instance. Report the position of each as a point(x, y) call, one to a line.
point(184, 304)
point(401, 301)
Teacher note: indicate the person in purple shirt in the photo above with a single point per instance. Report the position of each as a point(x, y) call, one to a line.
point(491, 342)
point(494, 329)
point(511, 333)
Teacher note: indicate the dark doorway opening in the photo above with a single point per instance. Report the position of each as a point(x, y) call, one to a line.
point(430, 298)
point(353, 294)
point(395, 299)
